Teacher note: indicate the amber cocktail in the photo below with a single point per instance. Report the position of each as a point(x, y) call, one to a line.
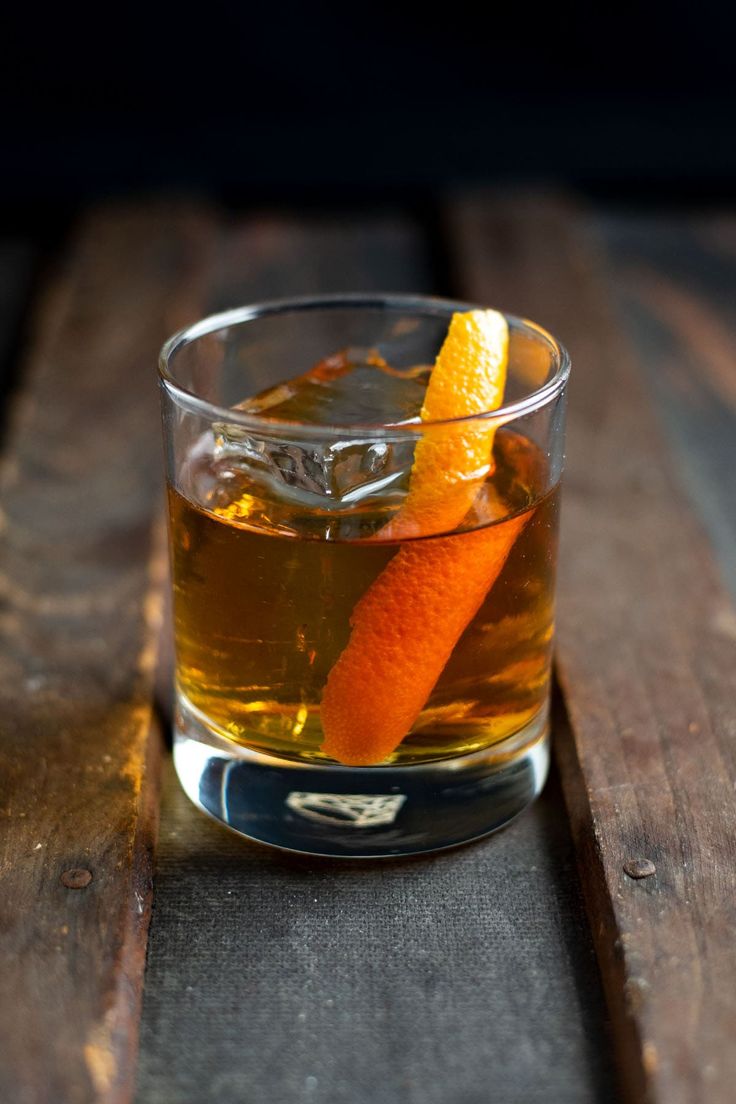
point(363, 594)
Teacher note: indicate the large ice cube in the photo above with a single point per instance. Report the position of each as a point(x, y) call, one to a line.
point(354, 387)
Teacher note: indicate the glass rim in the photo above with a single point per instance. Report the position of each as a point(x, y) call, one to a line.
point(424, 304)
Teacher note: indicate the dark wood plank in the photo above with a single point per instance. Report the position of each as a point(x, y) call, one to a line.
point(647, 659)
point(462, 978)
point(441, 981)
point(675, 285)
point(79, 579)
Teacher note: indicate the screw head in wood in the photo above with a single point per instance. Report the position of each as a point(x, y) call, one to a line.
point(76, 878)
point(639, 868)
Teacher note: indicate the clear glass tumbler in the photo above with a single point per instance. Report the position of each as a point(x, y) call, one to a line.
point(348, 686)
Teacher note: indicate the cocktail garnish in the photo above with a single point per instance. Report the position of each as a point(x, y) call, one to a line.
point(406, 625)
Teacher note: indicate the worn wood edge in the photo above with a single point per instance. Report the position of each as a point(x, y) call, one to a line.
point(625, 1029)
point(648, 1073)
point(134, 952)
point(110, 1053)
point(109, 1050)
point(116, 1049)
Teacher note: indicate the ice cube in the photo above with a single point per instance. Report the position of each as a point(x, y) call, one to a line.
point(353, 387)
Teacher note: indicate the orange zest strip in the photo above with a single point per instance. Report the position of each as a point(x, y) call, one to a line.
point(452, 462)
point(406, 625)
point(404, 629)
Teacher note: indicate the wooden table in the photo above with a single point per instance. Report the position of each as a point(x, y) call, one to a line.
point(537, 965)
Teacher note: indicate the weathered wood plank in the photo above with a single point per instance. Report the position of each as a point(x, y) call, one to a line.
point(647, 659)
point(675, 286)
point(440, 981)
point(79, 578)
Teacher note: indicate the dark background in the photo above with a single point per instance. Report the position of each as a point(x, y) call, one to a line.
point(320, 103)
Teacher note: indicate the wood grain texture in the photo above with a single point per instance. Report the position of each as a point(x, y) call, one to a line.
point(646, 656)
point(674, 281)
point(79, 579)
point(452, 980)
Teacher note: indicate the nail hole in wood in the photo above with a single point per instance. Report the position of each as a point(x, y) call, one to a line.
point(76, 878)
point(639, 868)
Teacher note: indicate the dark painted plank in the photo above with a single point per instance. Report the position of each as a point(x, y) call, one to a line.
point(647, 658)
point(453, 980)
point(78, 583)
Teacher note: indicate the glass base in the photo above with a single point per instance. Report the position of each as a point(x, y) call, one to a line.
point(360, 812)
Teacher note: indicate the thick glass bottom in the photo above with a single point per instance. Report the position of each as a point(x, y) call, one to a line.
point(360, 812)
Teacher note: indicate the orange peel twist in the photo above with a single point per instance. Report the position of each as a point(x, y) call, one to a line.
point(408, 622)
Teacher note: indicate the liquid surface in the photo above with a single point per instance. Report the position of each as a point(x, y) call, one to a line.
point(265, 585)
